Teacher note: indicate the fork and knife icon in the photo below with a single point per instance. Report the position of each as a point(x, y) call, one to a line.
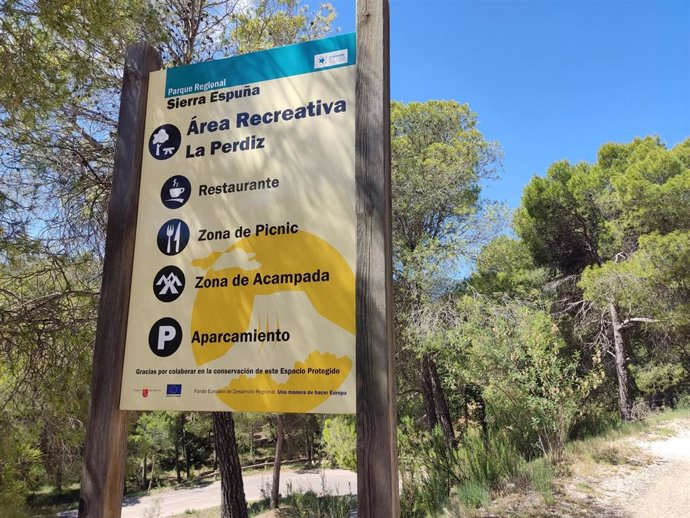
point(169, 231)
point(173, 237)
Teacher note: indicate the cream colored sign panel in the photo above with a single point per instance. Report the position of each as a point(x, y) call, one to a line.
point(243, 290)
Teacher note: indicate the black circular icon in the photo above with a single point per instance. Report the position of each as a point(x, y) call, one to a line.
point(173, 237)
point(165, 337)
point(175, 191)
point(168, 284)
point(164, 142)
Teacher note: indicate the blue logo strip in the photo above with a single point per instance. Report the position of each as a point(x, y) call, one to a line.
point(173, 390)
point(259, 66)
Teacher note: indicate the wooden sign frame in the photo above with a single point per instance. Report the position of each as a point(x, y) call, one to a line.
point(377, 460)
point(105, 452)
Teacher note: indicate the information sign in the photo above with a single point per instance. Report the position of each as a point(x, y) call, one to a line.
point(243, 284)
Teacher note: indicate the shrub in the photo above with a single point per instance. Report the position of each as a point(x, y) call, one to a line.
point(340, 441)
point(540, 474)
point(486, 461)
point(473, 494)
point(429, 468)
point(311, 505)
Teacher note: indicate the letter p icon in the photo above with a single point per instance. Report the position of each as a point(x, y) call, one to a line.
point(165, 337)
point(165, 334)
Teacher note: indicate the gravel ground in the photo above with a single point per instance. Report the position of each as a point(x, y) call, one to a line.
point(662, 488)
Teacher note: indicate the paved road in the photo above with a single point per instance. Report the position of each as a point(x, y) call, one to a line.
point(172, 502)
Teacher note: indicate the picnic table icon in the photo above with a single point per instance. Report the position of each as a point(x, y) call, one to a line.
point(166, 135)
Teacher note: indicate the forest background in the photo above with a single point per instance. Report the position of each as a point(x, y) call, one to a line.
point(519, 326)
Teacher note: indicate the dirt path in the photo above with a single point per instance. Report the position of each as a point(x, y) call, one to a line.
point(662, 488)
point(642, 476)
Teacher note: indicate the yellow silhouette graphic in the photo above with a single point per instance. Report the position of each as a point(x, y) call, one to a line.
point(224, 303)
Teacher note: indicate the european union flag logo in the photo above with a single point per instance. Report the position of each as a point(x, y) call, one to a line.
point(173, 390)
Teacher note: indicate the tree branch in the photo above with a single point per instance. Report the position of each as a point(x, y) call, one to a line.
point(630, 322)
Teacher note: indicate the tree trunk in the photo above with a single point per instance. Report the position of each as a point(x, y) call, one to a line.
point(252, 450)
point(179, 445)
point(187, 460)
point(428, 394)
point(440, 402)
point(233, 501)
point(153, 468)
point(620, 345)
point(475, 393)
point(178, 466)
point(483, 420)
point(275, 487)
point(308, 439)
point(58, 480)
point(144, 467)
point(215, 450)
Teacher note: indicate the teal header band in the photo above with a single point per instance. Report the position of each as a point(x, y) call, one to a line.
point(302, 58)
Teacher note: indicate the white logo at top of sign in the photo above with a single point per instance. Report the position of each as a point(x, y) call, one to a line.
point(330, 59)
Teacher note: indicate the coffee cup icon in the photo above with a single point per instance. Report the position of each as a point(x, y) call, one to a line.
point(176, 192)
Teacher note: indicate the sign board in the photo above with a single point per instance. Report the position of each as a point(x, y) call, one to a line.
point(243, 283)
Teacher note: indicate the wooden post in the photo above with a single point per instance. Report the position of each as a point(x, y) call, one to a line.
point(377, 464)
point(103, 472)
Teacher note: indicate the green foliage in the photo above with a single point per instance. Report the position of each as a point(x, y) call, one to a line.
point(311, 505)
point(247, 427)
point(487, 459)
point(505, 268)
point(655, 378)
point(614, 235)
point(429, 469)
point(61, 47)
point(654, 281)
point(683, 402)
point(523, 348)
point(20, 466)
point(439, 158)
point(152, 431)
point(340, 441)
point(473, 494)
point(540, 473)
point(555, 221)
point(274, 23)
point(598, 416)
point(530, 382)
point(584, 214)
point(58, 117)
point(46, 312)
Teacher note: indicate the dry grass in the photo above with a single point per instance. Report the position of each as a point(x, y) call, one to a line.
point(582, 486)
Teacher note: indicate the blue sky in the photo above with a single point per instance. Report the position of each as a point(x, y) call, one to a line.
point(549, 79)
